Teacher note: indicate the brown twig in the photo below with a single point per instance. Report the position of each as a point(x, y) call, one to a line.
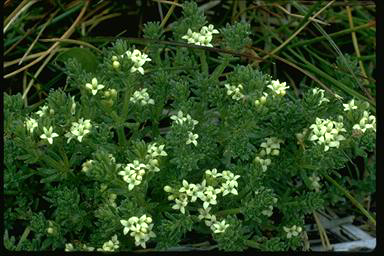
point(67, 34)
point(72, 41)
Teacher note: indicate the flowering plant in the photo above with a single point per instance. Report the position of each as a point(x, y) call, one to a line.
point(156, 147)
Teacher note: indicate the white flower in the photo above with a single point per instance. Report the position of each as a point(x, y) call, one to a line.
point(94, 86)
point(31, 124)
point(209, 198)
point(210, 221)
point(138, 59)
point(271, 146)
point(68, 247)
point(133, 173)
point(268, 212)
point(316, 91)
point(264, 163)
point(187, 188)
point(204, 213)
point(49, 134)
point(366, 122)
point(155, 151)
point(180, 119)
point(235, 91)
point(141, 229)
point(278, 88)
point(192, 138)
point(327, 132)
point(213, 173)
point(350, 106)
point(86, 166)
point(180, 204)
point(203, 38)
point(292, 231)
point(79, 129)
point(219, 227)
point(43, 110)
point(141, 97)
point(315, 182)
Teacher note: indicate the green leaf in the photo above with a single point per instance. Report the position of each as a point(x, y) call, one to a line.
point(84, 56)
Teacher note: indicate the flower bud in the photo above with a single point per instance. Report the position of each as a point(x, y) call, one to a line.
point(114, 58)
point(116, 64)
point(167, 189)
point(50, 230)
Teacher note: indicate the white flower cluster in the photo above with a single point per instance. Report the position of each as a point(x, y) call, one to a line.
point(321, 92)
point(203, 38)
point(44, 110)
point(326, 132)
point(79, 129)
point(278, 88)
point(271, 146)
point(315, 182)
point(49, 134)
point(31, 124)
point(211, 221)
point(264, 162)
point(154, 152)
point(110, 246)
point(350, 106)
point(292, 231)
point(138, 60)
point(366, 122)
point(180, 119)
point(94, 86)
point(141, 97)
point(190, 192)
point(133, 173)
point(70, 248)
point(141, 229)
point(235, 91)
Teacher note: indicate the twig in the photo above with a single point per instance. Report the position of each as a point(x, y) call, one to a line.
point(72, 41)
point(169, 13)
point(298, 31)
point(323, 234)
point(300, 16)
point(37, 37)
point(67, 34)
point(168, 2)
point(355, 44)
point(38, 72)
point(17, 13)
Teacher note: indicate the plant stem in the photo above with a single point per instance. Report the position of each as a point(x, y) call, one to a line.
point(23, 237)
point(204, 64)
point(351, 198)
point(252, 244)
point(228, 211)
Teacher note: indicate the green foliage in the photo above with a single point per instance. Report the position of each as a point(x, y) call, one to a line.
point(236, 36)
point(141, 133)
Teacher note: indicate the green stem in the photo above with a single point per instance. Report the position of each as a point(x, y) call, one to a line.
point(340, 33)
point(220, 68)
point(352, 199)
point(23, 237)
point(203, 60)
point(228, 211)
point(252, 244)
